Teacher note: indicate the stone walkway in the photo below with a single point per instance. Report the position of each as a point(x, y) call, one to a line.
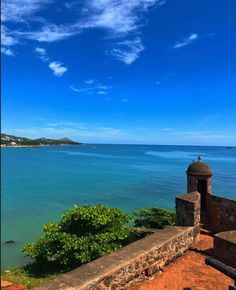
point(189, 272)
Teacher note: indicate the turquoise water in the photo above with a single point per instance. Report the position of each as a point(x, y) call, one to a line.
point(38, 184)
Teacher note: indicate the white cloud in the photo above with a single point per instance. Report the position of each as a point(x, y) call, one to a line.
point(102, 93)
point(188, 40)
point(128, 51)
point(99, 89)
point(103, 87)
point(7, 51)
point(40, 50)
point(124, 100)
point(120, 18)
point(49, 33)
point(42, 54)
point(83, 133)
point(7, 42)
point(200, 134)
point(21, 10)
point(161, 3)
point(75, 89)
point(89, 82)
point(57, 68)
point(68, 5)
point(158, 83)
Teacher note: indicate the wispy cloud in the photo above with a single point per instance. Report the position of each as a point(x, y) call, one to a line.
point(186, 41)
point(89, 82)
point(21, 11)
point(102, 93)
point(7, 42)
point(57, 68)
point(120, 19)
point(42, 54)
point(15, 11)
point(75, 89)
point(98, 89)
point(49, 33)
point(7, 51)
point(207, 134)
point(128, 51)
point(84, 132)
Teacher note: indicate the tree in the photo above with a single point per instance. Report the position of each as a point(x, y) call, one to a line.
point(83, 234)
point(154, 217)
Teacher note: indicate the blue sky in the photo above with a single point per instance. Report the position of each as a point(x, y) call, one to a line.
point(131, 71)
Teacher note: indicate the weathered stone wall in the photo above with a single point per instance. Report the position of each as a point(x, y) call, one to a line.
point(188, 207)
point(129, 264)
point(225, 247)
point(221, 213)
point(192, 182)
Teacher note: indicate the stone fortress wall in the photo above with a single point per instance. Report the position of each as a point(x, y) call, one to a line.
point(221, 213)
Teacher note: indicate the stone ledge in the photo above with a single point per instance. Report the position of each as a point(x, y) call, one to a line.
point(118, 269)
point(191, 197)
point(229, 236)
point(225, 247)
point(188, 209)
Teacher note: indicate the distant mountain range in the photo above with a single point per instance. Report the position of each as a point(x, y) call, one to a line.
point(10, 140)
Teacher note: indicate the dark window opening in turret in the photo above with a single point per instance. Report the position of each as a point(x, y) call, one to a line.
point(202, 189)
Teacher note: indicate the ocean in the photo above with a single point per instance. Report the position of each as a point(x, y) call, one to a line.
point(39, 184)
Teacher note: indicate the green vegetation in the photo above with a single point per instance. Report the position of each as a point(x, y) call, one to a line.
point(26, 276)
point(82, 235)
point(154, 217)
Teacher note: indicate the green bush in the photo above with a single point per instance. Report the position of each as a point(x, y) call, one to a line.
point(154, 217)
point(83, 234)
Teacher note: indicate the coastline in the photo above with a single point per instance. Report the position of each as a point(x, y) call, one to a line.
point(20, 146)
point(37, 146)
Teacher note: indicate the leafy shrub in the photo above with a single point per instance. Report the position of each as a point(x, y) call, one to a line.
point(154, 217)
point(83, 234)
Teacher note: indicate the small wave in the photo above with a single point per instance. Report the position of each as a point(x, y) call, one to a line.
point(175, 154)
point(74, 153)
point(77, 153)
point(189, 155)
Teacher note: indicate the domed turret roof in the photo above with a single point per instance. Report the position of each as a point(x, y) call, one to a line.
point(199, 168)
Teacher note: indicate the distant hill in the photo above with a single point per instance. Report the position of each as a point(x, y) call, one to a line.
point(10, 140)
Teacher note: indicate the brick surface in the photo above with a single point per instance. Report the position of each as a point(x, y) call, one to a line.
point(189, 272)
point(5, 284)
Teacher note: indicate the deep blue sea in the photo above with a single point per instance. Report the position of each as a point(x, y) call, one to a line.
point(38, 184)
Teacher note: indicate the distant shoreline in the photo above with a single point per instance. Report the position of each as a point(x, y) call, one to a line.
point(37, 146)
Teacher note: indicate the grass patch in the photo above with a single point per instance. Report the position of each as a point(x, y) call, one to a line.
point(27, 275)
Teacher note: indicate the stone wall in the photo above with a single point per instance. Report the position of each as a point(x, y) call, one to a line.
point(221, 213)
point(188, 207)
point(131, 263)
point(225, 247)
